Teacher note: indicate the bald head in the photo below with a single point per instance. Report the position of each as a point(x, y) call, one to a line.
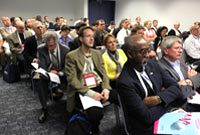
point(6, 21)
point(135, 41)
point(20, 26)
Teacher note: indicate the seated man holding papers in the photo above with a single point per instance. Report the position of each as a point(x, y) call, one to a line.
point(86, 76)
point(51, 69)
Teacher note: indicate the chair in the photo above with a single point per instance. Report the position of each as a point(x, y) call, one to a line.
point(124, 120)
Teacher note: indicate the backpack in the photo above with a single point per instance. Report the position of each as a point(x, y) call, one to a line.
point(11, 73)
point(79, 125)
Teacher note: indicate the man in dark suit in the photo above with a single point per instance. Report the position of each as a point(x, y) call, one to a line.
point(48, 23)
point(31, 44)
point(52, 59)
point(140, 87)
point(188, 79)
point(76, 43)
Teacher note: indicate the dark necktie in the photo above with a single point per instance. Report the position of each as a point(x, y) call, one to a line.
point(21, 35)
point(54, 59)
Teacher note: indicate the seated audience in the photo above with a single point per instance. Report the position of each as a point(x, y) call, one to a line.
point(99, 33)
point(138, 30)
point(192, 45)
point(114, 59)
point(79, 64)
point(6, 30)
point(86, 21)
point(63, 37)
point(161, 33)
point(155, 26)
point(140, 87)
point(52, 59)
point(16, 42)
point(188, 79)
point(31, 44)
point(149, 34)
point(124, 31)
point(57, 25)
point(48, 23)
point(75, 43)
point(175, 31)
point(28, 26)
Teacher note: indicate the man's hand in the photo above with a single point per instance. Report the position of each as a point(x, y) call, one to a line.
point(182, 82)
point(191, 73)
point(116, 76)
point(97, 96)
point(105, 95)
point(151, 101)
point(54, 72)
point(35, 60)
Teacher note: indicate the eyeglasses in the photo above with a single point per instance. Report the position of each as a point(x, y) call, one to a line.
point(39, 27)
point(102, 24)
point(144, 51)
point(89, 36)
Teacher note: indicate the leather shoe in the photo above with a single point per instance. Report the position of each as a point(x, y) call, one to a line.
point(43, 116)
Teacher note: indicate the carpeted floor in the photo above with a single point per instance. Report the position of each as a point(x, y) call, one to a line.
point(20, 108)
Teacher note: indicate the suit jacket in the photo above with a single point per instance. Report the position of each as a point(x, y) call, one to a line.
point(5, 32)
point(45, 59)
point(30, 49)
point(74, 44)
point(15, 45)
point(173, 33)
point(132, 93)
point(74, 67)
point(186, 90)
point(14, 42)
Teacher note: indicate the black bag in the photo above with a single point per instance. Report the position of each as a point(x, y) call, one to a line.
point(11, 73)
point(78, 125)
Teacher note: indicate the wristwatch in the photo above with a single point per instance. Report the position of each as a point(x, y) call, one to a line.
point(187, 81)
point(159, 99)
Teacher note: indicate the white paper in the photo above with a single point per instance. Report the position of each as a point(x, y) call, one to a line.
point(54, 78)
point(195, 99)
point(35, 65)
point(42, 71)
point(6, 45)
point(88, 102)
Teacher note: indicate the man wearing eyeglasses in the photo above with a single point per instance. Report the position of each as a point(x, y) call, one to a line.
point(31, 44)
point(192, 45)
point(140, 87)
point(82, 66)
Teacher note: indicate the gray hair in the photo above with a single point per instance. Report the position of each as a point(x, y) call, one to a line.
point(35, 23)
point(168, 41)
point(50, 35)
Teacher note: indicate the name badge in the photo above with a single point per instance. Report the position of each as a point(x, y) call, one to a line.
point(90, 80)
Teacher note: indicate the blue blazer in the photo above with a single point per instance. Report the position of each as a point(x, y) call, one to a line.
point(141, 118)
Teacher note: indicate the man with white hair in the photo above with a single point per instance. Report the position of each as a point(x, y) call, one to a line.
point(16, 42)
point(192, 44)
point(175, 31)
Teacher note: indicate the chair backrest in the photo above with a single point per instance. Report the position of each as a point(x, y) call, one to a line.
point(124, 120)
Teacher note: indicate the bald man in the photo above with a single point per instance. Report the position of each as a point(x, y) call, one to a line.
point(139, 86)
point(16, 41)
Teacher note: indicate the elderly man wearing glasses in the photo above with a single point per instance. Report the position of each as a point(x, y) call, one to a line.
point(140, 87)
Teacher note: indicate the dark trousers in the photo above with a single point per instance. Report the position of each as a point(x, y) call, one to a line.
point(95, 114)
point(43, 90)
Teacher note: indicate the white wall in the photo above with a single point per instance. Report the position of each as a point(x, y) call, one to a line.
point(69, 9)
point(165, 11)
